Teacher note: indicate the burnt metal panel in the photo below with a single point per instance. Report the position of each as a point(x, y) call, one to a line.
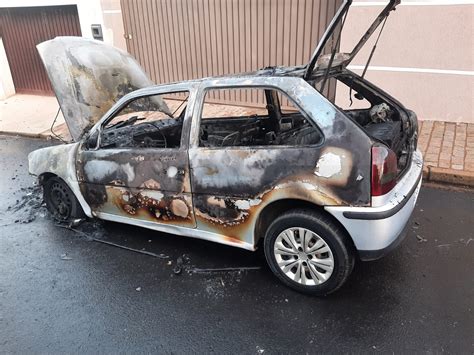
point(22, 29)
point(147, 184)
point(88, 77)
point(232, 185)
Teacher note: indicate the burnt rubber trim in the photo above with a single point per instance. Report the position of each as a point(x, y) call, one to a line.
point(383, 214)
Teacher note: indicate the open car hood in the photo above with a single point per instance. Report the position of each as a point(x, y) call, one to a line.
point(88, 77)
point(320, 61)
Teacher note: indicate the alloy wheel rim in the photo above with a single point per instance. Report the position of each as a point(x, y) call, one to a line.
point(303, 256)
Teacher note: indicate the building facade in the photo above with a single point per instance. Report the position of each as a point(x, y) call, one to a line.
point(425, 56)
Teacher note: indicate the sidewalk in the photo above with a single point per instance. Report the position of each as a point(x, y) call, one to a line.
point(448, 151)
point(448, 148)
point(31, 116)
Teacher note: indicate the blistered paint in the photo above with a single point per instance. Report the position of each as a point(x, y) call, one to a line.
point(89, 77)
point(59, 160)
point(222, 192)
point(172, 171)
point(328, 165)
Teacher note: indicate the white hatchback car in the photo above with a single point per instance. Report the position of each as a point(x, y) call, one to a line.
point(318, 184)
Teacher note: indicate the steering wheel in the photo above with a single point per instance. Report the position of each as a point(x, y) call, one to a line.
point(149, 142)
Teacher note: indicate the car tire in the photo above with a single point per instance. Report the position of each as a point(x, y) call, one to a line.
point(61, 201)
point(309, 252)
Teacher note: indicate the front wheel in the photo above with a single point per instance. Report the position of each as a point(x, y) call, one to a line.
point(308, 252)
point(60, 200)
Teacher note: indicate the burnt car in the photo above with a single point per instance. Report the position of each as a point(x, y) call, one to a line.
point(315, 184)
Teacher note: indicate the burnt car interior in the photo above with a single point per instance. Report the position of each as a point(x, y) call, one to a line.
point(141, 124)
point(383, 119)
point(271, 125)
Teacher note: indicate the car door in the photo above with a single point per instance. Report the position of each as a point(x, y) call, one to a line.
point(140, 168)
point(234, 167)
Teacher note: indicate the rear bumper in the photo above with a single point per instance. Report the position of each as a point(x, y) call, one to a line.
point(378, 229)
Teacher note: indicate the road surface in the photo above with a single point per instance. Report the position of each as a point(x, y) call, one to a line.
point(61, 291)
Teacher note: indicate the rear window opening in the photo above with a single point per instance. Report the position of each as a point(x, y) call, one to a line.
point(382, 119)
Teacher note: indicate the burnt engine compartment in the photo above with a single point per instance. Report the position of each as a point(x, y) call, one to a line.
point(164, 133)
point(255, 130)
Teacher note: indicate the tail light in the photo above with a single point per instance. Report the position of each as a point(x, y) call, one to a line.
point(384, 170)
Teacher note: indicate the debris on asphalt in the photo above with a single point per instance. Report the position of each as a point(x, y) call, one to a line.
point(214, 289)
point(260, 350)
point(138, 289)
point(443, 245)
point(225, 269)
point(76, 222)
point(65, 257)
point(29, 205)
point(421, 239)
point(89, 237)
point(149, 253)
point(181, 262)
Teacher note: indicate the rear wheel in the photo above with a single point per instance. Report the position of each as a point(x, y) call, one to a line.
point(60, 200)
point(308, 252)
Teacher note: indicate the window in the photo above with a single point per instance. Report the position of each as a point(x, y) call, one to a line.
point(249, 117)
point(147, 122)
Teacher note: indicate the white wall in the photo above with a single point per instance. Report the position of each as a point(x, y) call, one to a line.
point(90, 11)
point(425, 56)
point(7, 88)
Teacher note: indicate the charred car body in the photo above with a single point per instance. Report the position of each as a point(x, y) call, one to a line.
point(316, 184)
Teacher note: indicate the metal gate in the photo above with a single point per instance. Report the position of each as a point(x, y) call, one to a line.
point(185, 39)
point(21, 29)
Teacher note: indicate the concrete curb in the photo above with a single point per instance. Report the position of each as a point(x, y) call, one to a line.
point(430, 173)
point(26, 135)
point(448, 176)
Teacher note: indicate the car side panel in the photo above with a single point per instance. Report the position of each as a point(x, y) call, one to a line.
point(149, 184)
point(232, 186)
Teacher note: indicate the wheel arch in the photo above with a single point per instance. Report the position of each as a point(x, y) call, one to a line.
point(44, 177)
point(276, 208)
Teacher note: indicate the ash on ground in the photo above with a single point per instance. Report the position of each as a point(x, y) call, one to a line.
point(28, 206)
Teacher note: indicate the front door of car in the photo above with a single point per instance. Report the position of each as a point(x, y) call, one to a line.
point(140, 169)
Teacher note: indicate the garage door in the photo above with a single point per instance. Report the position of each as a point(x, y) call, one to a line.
point(180, 39)
point(21, 29)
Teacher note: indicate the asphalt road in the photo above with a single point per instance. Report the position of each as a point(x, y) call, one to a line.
point(60, 291)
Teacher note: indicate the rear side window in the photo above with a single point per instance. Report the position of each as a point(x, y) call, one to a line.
point(251, 117)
